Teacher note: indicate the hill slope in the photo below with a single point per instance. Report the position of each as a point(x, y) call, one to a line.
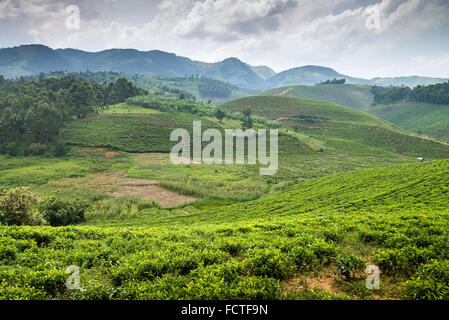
point(339, 127)
point(255, 250)
point(308, 75)
point(422, 118)
point(354, 96)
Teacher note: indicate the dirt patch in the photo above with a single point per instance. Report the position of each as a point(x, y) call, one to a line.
point(150, 190)
point(280, 118)
point(115, 185)
point(111, 154)
point(325, 282)
point(152, 158)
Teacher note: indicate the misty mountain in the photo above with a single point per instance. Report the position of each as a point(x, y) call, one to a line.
point(33, 59)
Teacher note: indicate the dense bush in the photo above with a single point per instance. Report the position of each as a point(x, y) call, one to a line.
point(16, 207)
point(59, 212)
point(431, 282)
point(348, 264)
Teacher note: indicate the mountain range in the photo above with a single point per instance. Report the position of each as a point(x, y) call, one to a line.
point(29, 60)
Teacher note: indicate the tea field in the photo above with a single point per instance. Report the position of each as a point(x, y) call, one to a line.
point(315, 235)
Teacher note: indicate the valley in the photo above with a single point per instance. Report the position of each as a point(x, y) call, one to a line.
point(349, 192)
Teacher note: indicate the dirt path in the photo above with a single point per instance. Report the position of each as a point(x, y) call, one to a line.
point(418, 136)
point(283, 92)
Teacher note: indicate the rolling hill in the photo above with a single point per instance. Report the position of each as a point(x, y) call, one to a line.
point(339, 127)
point(427, 119)
point(354, 96)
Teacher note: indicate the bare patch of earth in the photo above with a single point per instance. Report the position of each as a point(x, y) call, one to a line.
point(115, 185)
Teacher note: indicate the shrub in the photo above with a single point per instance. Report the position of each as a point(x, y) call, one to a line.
point(16, 207)
point(348, 264)
point(270, 263)
point(431, 282)
point(58, 212)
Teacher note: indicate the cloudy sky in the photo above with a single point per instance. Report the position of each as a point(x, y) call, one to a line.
point(365, 38)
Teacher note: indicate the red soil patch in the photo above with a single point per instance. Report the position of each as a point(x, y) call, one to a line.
point(111, 154)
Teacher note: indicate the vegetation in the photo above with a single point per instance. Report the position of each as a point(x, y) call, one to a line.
point(354, 96)
point(252, 250)
point(32, 113)
point(427, 119)
point(333, 81)
point(434, 93)
point(346, 195)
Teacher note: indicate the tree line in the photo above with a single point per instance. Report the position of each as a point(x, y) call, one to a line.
point(434, 93)
point(32, 112)
point(333, 81)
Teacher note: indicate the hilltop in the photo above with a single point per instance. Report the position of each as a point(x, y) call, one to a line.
point(29, 60)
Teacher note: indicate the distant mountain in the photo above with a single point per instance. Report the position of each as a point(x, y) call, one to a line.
point(412, 81)
point(263, 71)
point(30, 60)
point(33, 59)
point(308, 75)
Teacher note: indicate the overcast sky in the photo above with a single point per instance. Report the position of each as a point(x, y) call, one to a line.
point(365, 38)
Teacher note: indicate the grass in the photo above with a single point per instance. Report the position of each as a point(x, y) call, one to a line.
point(339, 128)
point(129, 131)
point(351, 95)
point(124, 108)
point(39, 171)
point(421, 118)
point(277, 106)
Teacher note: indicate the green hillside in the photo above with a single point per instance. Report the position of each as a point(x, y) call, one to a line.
point(271, 248)
point(354, 96)
point(339, 127)
point(427, 119)
point(345, 195)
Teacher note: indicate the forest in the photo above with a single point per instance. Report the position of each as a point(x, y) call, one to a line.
point(434, 93)
point(32, 112)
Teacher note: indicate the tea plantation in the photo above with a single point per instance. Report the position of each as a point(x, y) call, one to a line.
point(395, 217)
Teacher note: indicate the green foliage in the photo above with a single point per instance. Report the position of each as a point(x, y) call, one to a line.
point(431, 282)
point(333, 81)
point(32, 113)
point(433, 93)
point(58, 212)
point(348, 264)
point(16, 207)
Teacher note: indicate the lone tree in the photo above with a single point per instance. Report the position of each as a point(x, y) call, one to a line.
point(220, 114)
point(247, 121)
